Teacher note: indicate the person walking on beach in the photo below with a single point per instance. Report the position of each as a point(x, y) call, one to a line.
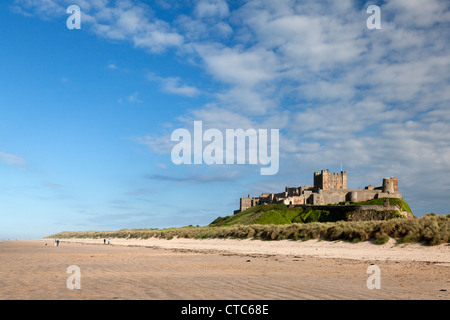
point(57, 243)
point(104, 241)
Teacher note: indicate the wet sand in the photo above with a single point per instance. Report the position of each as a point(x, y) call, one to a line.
point(181, 269)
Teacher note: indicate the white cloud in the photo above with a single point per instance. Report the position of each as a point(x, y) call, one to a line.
point(237, 66)
point(44, 8)
point(11, 159)
point(211, 8)
point(198, 30)
point(213, 116)
point(418, 13)
point(249, 75)
point(123, 20)
point(173, 85)
point(134, 98)
point(160, 144)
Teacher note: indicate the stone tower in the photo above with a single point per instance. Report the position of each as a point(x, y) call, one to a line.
point(390, 185)
point(330, 181)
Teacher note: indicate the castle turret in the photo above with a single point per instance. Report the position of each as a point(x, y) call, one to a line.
point(388, 185)
point(354, 196)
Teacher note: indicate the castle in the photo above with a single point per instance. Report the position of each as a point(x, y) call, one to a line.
point(329, 188)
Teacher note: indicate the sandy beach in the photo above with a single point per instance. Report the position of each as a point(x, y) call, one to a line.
point(216, 269)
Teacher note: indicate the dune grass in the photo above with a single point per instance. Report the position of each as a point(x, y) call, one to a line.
point(432, 229)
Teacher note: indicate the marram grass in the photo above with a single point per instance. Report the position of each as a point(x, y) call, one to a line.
point(432, 229)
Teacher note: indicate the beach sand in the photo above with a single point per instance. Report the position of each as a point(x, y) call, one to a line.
point(216, 269)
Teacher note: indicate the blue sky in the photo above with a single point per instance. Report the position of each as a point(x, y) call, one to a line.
point(86, 115)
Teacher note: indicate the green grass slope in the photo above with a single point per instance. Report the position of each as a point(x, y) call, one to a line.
point(379, 202)
point(278, 214)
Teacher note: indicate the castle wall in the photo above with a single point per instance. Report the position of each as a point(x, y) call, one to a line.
point(328, 189)
point(333, 196)
point(325, 197)
point(390, 195)
point(294, 200)
point(358, 195)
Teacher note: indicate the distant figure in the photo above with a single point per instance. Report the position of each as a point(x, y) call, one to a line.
point(109, 241)
point(57, 243)
point(104, 241)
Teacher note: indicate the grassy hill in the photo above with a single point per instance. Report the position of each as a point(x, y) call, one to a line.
point(281, 214)
point(276, 214)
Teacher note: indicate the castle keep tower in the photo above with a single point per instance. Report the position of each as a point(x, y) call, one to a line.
point(330, 181)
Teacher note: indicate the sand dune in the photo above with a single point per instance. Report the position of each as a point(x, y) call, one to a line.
point(221, 269)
